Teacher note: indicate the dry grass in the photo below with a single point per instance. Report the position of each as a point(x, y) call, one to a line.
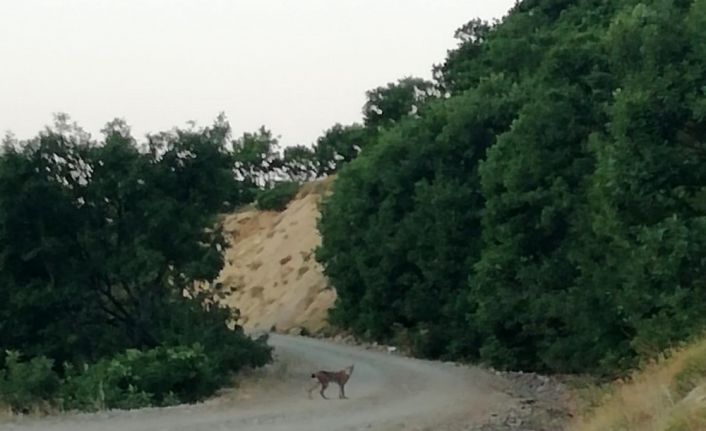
point(669, 395)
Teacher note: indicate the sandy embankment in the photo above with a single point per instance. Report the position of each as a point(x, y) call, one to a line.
point(270, 266)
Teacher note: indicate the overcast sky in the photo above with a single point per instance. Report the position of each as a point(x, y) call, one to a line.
point(295, 66)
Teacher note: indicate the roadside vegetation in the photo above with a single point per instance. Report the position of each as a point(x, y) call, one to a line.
point(106, 246)
point(102, 245)
point(541, 205)
point(669, 394)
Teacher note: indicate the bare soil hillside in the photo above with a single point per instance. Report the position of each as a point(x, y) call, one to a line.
point(270, 267)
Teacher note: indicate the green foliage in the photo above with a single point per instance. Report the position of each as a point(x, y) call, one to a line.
point(206, 322)
point(156, 377)
point(299, 163)
point(116, 236)
point(420, 177)
point(277, 198)
point(388, 105)
point(256, 159)
point(549, 214)
point(260, 165)
point(24, 385)
point(338, 146)
point(135, 378)
point(107, 246)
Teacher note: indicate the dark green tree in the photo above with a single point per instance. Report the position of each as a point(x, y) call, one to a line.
point(548, 212)
point(397, 229)
point(257, 158)
point(106, 247)
point(389, 104)
point(299, 163)
point(338, 146)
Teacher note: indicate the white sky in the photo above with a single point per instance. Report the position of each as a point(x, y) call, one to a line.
point(296, 66)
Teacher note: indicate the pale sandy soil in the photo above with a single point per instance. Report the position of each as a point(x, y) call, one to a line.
point(270, 266)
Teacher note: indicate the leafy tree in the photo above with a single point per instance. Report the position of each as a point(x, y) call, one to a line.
point(420, 177)
point(548, 212)
point(393, 102)
point(42, 300)
point(461, 70)
point(105, 247)
point(299, 163)
point(338, 146)
point(647, 189)
point(257, 158)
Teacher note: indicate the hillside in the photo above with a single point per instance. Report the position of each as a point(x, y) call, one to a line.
point(270, 267)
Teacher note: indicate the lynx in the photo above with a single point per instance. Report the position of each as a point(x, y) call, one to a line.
point(323, 378)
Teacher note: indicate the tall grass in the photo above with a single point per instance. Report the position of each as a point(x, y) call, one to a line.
point(668, 395)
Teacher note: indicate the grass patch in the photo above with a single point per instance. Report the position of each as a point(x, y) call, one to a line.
point(667, 395)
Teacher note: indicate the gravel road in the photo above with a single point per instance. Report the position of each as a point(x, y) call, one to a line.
point(386, 392)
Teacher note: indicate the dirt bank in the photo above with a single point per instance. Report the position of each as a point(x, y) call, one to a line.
point(270, 266)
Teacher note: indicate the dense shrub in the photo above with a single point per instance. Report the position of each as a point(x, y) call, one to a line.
point(208, 323)
point(105, 248)
point(135, 378)
point(549, 214)
point(157, 377)
point(277, 197)
point(28, 384)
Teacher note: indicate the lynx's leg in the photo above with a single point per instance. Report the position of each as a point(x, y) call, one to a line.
point(311, 389)
point(342, 391)
point(324, 385)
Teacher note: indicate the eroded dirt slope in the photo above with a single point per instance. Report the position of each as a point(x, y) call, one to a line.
point(270, 266)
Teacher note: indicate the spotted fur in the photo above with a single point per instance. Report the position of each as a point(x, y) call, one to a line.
point(324, 378)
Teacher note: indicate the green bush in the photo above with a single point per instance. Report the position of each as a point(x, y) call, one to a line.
point(26, 385)
point(156, 377)
point(161, 376)
point(277, 198)
point(205, 322)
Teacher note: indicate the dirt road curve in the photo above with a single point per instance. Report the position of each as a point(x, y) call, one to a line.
point(386, 392)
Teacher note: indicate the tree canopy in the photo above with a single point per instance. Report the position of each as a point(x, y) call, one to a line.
point(107, 245)
point(545, 207)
